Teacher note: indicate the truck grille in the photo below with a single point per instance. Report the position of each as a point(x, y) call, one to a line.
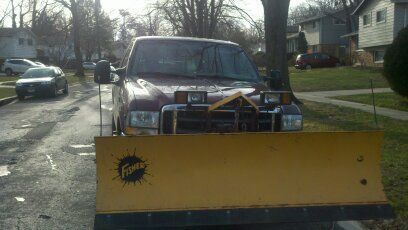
point(217, 122)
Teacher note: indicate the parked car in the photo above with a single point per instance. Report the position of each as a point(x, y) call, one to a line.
point(89, 65)
point(316, 60)
point(40, 63)
point(41, 81)
point(16, 66)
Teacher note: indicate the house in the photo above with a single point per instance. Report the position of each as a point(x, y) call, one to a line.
point(17, 43)
point(292, 35)
point(290, 31)
point(323, 33)
point(379, 23)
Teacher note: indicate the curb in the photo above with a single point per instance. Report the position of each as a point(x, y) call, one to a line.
point(7, 100)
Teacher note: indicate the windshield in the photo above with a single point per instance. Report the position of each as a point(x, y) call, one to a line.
point(195, 59)
point(35, 73)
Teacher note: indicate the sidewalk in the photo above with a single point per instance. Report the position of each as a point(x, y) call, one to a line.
point(323, 97)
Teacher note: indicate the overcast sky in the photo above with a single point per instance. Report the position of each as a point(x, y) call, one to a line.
point(253, 7)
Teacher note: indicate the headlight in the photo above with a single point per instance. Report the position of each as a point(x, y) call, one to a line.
point(276, 98)
point(292, 122)
point(144, 119)
point(190, 97)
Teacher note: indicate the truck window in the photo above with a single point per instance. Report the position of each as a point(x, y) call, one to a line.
point(192, 59)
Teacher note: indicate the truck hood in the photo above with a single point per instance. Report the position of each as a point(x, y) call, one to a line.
point(151, 93)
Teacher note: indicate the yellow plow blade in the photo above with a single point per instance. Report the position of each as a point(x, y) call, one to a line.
point(217, 179)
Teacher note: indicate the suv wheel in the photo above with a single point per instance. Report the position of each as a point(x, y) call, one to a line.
point(308, 67)
point(9, 72)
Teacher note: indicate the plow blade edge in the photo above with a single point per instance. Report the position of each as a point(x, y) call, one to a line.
point(222, 179)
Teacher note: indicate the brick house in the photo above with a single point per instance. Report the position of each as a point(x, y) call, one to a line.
point(379, 23)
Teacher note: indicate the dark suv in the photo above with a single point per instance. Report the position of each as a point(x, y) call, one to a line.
point(316, 60)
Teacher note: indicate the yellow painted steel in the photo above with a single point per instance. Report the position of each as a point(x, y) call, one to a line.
point(215, 171)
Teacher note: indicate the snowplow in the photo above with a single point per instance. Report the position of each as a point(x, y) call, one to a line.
point(201, 140)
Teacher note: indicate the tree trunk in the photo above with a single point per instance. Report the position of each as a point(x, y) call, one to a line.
point(97, 26)
point(77, 45)
point(276, 15)
point(13, 15)
point(34, 14)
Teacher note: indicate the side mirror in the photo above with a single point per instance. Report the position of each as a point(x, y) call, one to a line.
point(102, 72)
point(275, 80)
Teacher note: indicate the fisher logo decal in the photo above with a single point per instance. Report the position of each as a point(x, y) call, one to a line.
point(131, 169)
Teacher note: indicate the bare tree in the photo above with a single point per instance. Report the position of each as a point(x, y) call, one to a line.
point(73, 6)
point(13, 15)
point(276, 15)
point(195, 18)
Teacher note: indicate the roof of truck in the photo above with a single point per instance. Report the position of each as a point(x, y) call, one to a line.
point(165, 38)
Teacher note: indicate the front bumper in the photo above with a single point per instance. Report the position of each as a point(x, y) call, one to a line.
point(187, 119)
point(34, 89)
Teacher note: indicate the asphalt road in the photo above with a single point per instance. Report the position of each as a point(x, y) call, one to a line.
point(47, 161)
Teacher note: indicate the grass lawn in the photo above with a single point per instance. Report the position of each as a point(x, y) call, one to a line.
point(4, 78)
point(322, 117)
point(7, 92)
point(335, 79)
point(386, 100)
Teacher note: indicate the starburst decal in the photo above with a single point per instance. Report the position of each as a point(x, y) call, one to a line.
point(131, 168)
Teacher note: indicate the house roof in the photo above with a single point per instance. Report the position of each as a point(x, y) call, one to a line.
point(8, 32)
point(292, 36)
point(321, 15)
point(292, 29)
point(364, 3)
point(355, 33)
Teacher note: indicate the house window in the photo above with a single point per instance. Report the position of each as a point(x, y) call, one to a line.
point(30, 42)
point(367, 19)
point(379, 55)
point(381, 15)
point(337, 21)
point(21, 41)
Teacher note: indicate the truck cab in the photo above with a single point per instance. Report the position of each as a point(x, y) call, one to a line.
point(174, 85)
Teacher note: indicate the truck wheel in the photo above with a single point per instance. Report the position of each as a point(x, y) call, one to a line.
point(9, 72)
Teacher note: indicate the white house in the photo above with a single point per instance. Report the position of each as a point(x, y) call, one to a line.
point(379, 23)
point(17, 43)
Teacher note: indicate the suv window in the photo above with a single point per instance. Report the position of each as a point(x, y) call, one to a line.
point(325, 57)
